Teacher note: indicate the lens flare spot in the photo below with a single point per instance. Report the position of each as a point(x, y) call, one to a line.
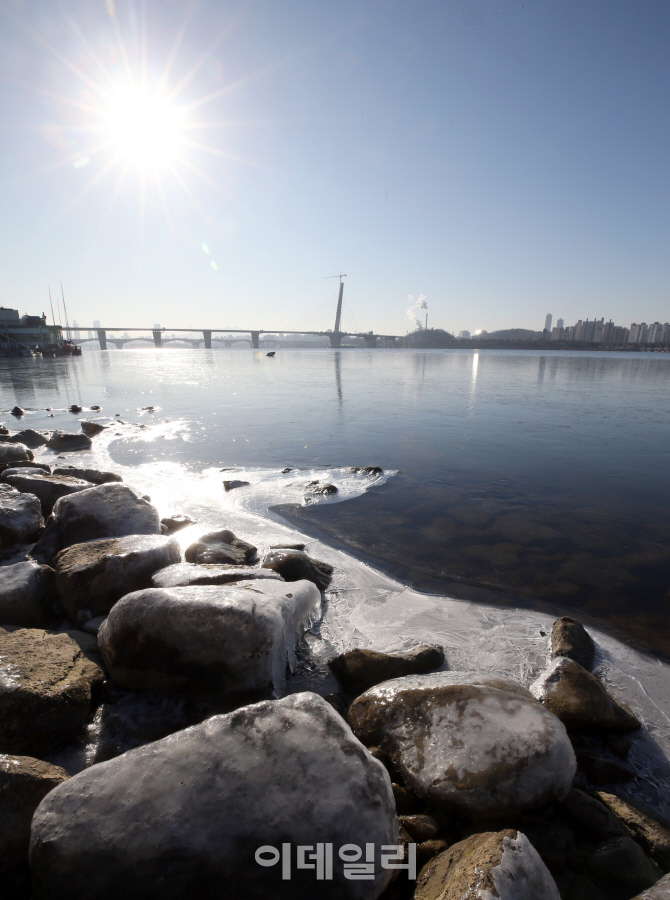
point(213, 265)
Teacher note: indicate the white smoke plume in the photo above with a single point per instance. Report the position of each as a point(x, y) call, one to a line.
point(419, 303)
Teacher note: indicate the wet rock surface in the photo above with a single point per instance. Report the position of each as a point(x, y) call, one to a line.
point(10, 453)
point(569, 638)
point(580, 700)
point(69, 441)
point(29, 438)
point(198, 805)
point(652, 834)
point(46, 687)
point(295, 565)
point(220, 547)
point(185, 574)
point(660, 891)
point(211, 639)
point(471, 742)
point(176, 522)
point(92, 428)
point(232, 485)
point(358, 670)
point(20, 516)
point(94, 575)
point(47, 488)
point(26, 595)
point(94, 476)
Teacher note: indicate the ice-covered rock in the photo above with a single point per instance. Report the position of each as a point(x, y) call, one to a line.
point(24, 782)
point(579, 699)
point(47, 488)
point(26, 592)
point(477, 743)
point(295, 565)
point(95, 476)
point(69, 440)
point(362, 668)
point(501, 865)
point(185, 574)
point(104, 511)
point(20, 516)
point(96, 574)
point(187, 816)
point(10, 453)
point(176, 522)
point(570, 638)
point(220, 547)
point(209, 638)
point(46, 683)
point(20, 468)
point(660, 891)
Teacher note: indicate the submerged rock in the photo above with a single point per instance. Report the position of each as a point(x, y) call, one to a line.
point(477, 743)
point(361, 669)
point(569, 638)
point(95, 476)
point(294, 565)
point(231, 485)
point(47, 488)
point(212, 639)
point(185, 574)
point(186, 816)
point(501, 865)
point(46, 684)
point(94, 575)
point(10, 453)
point(176, 522)
point(579, 699)
point(220, 547)
point(24, 782)
point(26, 592)
point(20, 516)
point(69, 440)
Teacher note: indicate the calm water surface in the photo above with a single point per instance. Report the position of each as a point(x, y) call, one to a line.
point(523, 477)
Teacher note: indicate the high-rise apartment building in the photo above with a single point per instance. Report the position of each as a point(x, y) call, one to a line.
point(560, 323)
point(548, 321)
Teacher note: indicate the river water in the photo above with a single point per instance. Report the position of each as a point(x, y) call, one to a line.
point(523, 484)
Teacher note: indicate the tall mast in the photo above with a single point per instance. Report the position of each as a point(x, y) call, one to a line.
point(67, 324)
point(52, 308)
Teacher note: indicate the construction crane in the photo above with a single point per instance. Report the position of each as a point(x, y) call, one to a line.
point(338, 316)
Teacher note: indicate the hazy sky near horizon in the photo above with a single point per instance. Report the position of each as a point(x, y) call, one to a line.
point(505, 159)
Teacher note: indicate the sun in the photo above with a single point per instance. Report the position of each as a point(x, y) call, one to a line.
point(144, 129)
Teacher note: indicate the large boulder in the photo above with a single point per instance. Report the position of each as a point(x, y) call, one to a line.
point(478, 743)
point(192, 815)
point(659, 891)
point(220, 547)
point(185, 574)
point(46, 685)
point(28, 437)
point(95, 476)
point(24, 782)
point(210, 638)
point(69, 440)
point(295, 565)
point(569, 638)
point(108, 510)
point(20, 516)
point(621, 866)
point(10, 453)
point(501, 865)
point(94, 575)
point(579, 699)
point(361, 669)
point(47, 488)
point(26, 594)
point(652, 835)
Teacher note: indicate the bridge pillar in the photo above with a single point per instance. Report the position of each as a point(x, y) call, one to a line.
point(157, 338)
point(208, 339)
point(255, 335)
point(370, 340)
point(335, 338)
point(102, 338)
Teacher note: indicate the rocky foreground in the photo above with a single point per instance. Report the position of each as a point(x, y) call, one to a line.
point(200, 777)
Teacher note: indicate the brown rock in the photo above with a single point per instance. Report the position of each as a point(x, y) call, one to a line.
point(426, 850)
point(294, 565)
point(421, 827)
point(648, 831)
point(47, 488)
point(220, 547)
point(69, 440)
point(92, 428)
point(361, 669)
point(570, 638)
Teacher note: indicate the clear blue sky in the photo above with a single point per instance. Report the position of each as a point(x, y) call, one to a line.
point(506, 159)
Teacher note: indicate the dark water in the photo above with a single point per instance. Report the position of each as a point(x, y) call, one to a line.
point(531, 477)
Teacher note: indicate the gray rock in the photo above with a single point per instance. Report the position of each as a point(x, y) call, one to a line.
point(28, 437)
point(319, 489)
point(622, 866)
point(421, 828)
point(92, 428)
point(208, 639)
point(579, 699)
point(185, 816)
point(220, 547)
point(96, 574)
point(95, 476)
point(107, 510)
point(295, 565)
point(17, 411)
point(24, 782)
point(600, 770)
point(69, 440)
point(185, 574)
point(20, 516)
point(590, 819)
point(652, 835)
point(46, 683)
point(660, 891)
point(26, 591)
point(11, 453)
point(501, 865)
point(16, 468)
point(361, 669)
point(231, 485)
point(367, 470)
point(47, 488)
point(176, 522)
point(569, 638)
point(477, 743)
